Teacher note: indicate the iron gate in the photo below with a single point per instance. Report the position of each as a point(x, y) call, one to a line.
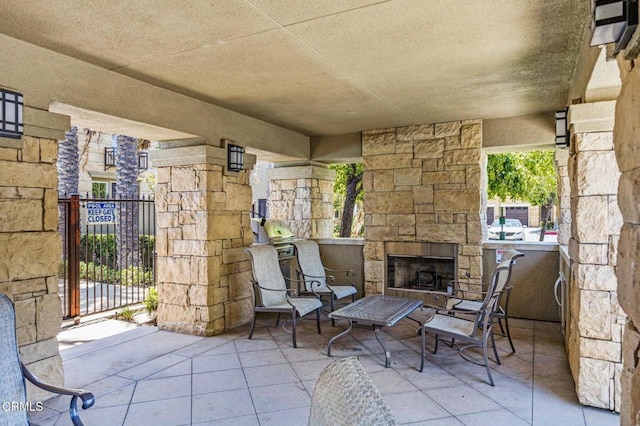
point(108, 253)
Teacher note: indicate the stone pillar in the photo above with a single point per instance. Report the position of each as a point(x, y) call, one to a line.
point(203, 226)
point(564, 196)
point(302, 197)
point(597, 321)
point(626, 136)
point(424, 184)
point(29, 242)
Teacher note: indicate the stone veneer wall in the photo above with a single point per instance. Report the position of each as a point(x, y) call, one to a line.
point(29, 242)
point(627, 148)
point(597, 321)
point(302, 197)
point(564, 196)
point(204, 285)
point(424, 184)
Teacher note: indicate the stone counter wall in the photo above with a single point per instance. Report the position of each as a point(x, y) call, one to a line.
point(30, 246)
point(424, 184)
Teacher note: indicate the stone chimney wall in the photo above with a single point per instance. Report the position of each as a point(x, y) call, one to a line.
point(424, 184)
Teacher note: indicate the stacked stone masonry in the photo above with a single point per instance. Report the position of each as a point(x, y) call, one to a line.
point(30, 250)
point(302, 198)
point(597, 321)
point(627, 150)
point(424, 184)
point(204, 275)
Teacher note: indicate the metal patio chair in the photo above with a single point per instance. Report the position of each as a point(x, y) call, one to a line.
point(13, 390)
point(475, 327)
point(270, 290)
point(311, 267)
point(345, 395)
point(461, 300)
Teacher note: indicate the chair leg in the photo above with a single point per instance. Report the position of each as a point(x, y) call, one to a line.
point(495, 349)
point(278, 319)
point(501, 327)
point(506, 325)
point(293, 333)
point(318, 320)
point(332, 304)
point(253, 324)
point(422, 334)
point(486, 359)
point(435, 348)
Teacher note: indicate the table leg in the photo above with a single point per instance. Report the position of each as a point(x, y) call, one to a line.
point(387, 352)
point(337, 336)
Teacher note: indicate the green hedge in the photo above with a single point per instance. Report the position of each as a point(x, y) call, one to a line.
point(100, 249)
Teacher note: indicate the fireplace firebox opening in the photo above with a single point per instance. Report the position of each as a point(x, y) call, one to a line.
point(420, 266)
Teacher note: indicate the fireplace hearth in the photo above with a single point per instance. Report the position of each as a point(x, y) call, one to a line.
point(419, 266)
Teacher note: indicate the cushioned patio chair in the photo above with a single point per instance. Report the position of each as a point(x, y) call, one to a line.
point(270, 290)
point(462, 301)
point(13, 390)
point(345, 395)
point(474, 327)
point(311, 268)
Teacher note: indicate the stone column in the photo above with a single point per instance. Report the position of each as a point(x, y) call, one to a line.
point(203, 226)
point(29, 242)
point(626, 136)
point(561, 159)
point(597, 321)
point(302, 197)
point(424, 183)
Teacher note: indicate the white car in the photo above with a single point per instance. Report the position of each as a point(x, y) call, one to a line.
point(513, 230)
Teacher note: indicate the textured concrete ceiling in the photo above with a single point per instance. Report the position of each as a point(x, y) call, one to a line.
point(326, 67)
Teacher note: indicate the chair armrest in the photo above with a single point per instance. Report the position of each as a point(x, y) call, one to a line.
point(314, 283)
point(348, 274)
point(86, 397)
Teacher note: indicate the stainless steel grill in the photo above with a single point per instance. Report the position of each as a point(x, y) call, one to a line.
point(280, 236)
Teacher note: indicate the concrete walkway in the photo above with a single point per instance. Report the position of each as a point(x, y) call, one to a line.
point(145, 376)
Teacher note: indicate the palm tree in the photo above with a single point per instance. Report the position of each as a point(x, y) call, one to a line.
point(126, 161)
point(68, 175)
point(68, 165)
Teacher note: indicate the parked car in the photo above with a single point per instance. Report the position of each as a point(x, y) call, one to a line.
point(513, 230)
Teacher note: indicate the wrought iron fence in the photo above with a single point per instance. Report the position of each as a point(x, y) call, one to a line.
point(108, 253)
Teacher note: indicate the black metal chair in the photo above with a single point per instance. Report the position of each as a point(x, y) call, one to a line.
point(311, 268)
point(462, 302)
point(271, 293)
point(475, 327)
point(13, 388)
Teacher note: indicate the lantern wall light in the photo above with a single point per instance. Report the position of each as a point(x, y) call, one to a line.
point(11, 105)
point(613, 21)
point(562, 133)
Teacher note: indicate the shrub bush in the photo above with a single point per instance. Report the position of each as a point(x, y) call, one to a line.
point(151, 302)
point(101, 249)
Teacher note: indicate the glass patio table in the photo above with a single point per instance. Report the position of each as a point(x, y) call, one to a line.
point(375, 312)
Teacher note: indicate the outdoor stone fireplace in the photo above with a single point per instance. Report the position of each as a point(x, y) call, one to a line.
point(419, 267)
point(423, 184)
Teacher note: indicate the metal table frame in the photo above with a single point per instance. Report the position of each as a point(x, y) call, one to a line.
point(375, 311)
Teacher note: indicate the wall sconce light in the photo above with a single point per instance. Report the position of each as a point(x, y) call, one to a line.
point(613, 21)
point(109, 158)
point(235, 157)
point(562, 134)
point(11, 105)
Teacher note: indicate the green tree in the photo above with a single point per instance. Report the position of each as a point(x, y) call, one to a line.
point(527, 176)
point(348, 183)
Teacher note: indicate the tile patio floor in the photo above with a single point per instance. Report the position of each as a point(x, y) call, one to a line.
point(144, 376)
